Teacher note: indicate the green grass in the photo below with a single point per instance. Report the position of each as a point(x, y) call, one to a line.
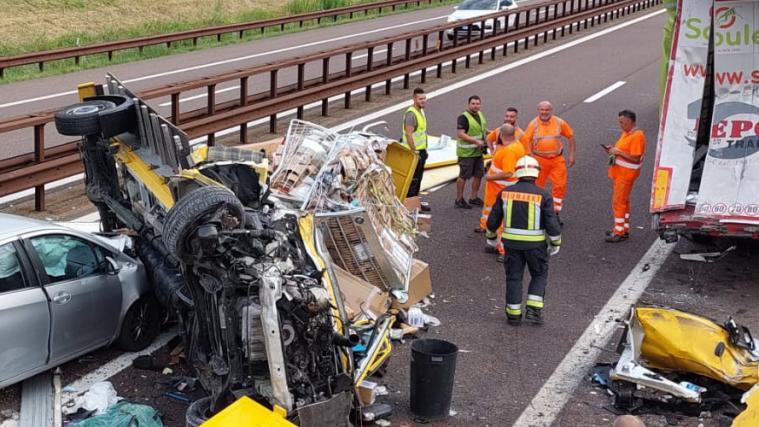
point(214, 17)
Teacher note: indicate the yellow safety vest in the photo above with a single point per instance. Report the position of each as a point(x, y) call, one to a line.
point(477, 131)
point(420, 132)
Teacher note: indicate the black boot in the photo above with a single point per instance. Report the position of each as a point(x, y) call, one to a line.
point(514, 320)
point(534, 315)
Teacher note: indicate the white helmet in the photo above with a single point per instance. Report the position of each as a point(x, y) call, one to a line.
point(527, 167)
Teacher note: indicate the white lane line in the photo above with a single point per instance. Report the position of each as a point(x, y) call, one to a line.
point(119, 363)
point(499, 70)
point(555, 393)
point(231, 60)
point(604, 92)
point(393, 108)
point(205, 95)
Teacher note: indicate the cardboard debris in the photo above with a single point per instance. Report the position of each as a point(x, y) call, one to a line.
point(360, 296)
point(419, 285)
point(367, 392)
point(269, 148)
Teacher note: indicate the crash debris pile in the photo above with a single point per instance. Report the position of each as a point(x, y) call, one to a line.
point(673, 362)
point(368, 234)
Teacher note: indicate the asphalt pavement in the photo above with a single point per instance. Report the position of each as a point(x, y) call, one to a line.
point(501, 367)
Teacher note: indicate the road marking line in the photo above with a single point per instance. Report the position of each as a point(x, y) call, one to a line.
point(499, 70)
point(555, 393)
point(119, 363)
point(231, 60)
point(604, 92)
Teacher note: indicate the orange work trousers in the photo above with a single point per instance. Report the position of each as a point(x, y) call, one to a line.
point(492, 190)
point(555, 169)
point(620, 205)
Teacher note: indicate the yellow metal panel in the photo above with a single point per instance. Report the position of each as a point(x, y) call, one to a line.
point(661, 188)
point(750, 416)
point(402, 161)
point(678, 341)
point(86, 90)
point(247, 412)
point(144, 174)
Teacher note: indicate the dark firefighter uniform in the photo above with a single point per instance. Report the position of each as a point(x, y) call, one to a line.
point(529, 225)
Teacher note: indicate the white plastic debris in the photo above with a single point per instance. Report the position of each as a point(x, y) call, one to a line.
point(383, 423)
point(416, 317)
point(100, 397)
point(430, 320)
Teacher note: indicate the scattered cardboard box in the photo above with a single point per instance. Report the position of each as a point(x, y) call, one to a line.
point(413, 203)
point(423, 221)
point(361, 296)
point(367, 392)
point(419, 285)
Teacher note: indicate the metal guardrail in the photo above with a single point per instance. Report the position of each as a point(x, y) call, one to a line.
point(554, 18)
point(40, 58)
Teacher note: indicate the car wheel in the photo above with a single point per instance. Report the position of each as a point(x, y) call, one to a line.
point(184, 217)
point(141, 325)
point(198, 411)
point(83, 118)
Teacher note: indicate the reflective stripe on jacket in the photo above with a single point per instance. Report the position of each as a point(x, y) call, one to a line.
point(528, 217)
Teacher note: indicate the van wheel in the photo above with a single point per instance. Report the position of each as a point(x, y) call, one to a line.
point(141, 325)
point(188, 213)
point(198, 412)
point(82, 119)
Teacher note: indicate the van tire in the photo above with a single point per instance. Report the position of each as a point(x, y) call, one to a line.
point(183, 218)
point(83, 118)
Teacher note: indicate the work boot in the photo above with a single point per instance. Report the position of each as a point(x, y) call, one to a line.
point(615, 238)
point(461, 204)
point(534, 315)
point(476, 201)
point(425, 207)
point(514, 320)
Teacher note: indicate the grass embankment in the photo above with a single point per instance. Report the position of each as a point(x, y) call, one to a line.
point(37, 25)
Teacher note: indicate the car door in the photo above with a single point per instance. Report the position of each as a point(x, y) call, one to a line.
point(85, 297)
point(24, 317)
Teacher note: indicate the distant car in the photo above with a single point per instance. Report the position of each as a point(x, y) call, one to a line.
point(473, 8)
point(64, 293)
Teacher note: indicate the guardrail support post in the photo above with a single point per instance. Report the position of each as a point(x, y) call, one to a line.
point(348, 72)
point(325, 79)
point(39, 157)
point(175, 108)
point(425, 42)
point(272, 95)
point(389, 62)
point(407, 57)
point(211, 100)
point(369, 66)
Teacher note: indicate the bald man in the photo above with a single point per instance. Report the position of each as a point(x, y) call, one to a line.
point(543, 137)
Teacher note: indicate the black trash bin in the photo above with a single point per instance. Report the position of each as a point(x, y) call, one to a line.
point(433, 364)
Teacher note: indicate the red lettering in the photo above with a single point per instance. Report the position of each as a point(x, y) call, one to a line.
point(696, 70)
point(756, 129)
point(740, 126)
point(755, 77)
point(733, 77)
point(718, 129)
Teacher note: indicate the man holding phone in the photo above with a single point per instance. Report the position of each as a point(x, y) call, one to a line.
point(625, 161)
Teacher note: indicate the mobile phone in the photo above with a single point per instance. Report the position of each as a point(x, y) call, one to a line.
point(605, 146)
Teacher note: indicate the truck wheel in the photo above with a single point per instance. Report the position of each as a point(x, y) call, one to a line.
point(81, 119)
point(141, 325)
point(189, 211)
point(198, 411)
